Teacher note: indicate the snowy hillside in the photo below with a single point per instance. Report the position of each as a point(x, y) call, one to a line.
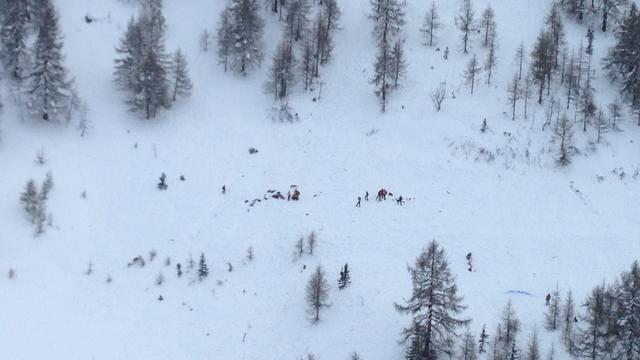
point(498, 194)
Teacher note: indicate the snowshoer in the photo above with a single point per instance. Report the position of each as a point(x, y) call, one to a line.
point(366, 196)
point(358, 203)
point(399, 200)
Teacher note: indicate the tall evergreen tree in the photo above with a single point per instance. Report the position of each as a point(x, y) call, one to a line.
point(623, 60)
point(297, 19)
point(282, 75)
point(555, 28)
point(247, 29)
point(552, 316)
point(180, 79)
point(542, 61)
point(434, 306)
point(491, 59)
point(467, 349)
point(130, 58)
point(568, 322)
point(592, 340)
point(389, 16)
point(399, 62)
point(48, 87)
point(383, 73)
point(533, 347)
point(466, 23)
point(203, 268)
point(431, 24)
point(471, 72)
point(514, 92)
point(13, 36)
point(482, 342)
point(488, 24)
point(225, 37)
point(587, 103)
point(152, 93)
point(317, 293)
point(332, 14)
point(565, 136)
point(628, 313)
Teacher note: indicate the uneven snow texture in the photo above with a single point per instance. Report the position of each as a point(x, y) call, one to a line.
point(528, 224)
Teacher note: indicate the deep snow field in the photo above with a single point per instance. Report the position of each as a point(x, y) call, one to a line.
point(529, 224)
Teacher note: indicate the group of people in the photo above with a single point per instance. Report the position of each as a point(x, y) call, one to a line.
point(382, 195)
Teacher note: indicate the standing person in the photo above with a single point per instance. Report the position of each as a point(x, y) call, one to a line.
point(288, 195)
point(366, 196)
point(224, 189)
point(548, 299)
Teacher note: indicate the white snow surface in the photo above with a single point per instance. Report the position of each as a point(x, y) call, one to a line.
point(528, 224)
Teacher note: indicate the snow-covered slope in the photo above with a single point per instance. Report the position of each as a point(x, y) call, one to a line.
point(528, 224)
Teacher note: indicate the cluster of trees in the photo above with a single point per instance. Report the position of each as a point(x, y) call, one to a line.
point(390, 64)
point(596, 11)
point(38, 70)
point(486, 26)
point(562, 78)
point(607, 328)
point(307, 36)
point(153, 78)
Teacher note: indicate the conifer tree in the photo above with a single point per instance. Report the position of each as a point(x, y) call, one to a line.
point(130, 52)
point(568, 321)
point(533, 347)
point(246, 52)
point(282, 75)
point(555, 28)
point(30, 200)
point(389, 16)
point(399, 63)
point(431, 24)
point(565, 137)
point(182, 85)
point(434, 306)
point(13, 37)
point(317, 293)
point(203, 268)
point(332, 14)
point(48, 86)
point(592, 340)
point(383, 73)
point(225, 37)
point(471, 72)
point(488, 25)
point(466, 23)
point(297, 19)
point(628, 313)
point(514, 92)
point(468, 347)
point(345, 277)
point(491, 59)
point(552, 316)
point(542, 61)
point(623, 60)
point(152, 93)
point(482, 342)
